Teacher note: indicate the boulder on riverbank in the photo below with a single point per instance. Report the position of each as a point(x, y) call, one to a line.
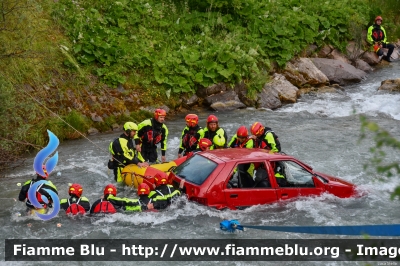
point(302, 71)
point(390, 85)
point(277, 92)
point(225, 101)
point(339, 72)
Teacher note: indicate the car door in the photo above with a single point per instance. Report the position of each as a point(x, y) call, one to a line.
point(239, 198)
point(282, 192)
point(298, 177)
point(303, 179)
point(242, 197)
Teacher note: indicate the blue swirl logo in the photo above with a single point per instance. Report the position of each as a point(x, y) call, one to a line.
point(38, 167)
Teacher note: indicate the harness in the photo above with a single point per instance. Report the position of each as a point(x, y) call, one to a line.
point(143, 203)
point(243, 144)
point(162, 195)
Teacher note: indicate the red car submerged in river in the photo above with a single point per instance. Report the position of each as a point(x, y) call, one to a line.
point(238, 178)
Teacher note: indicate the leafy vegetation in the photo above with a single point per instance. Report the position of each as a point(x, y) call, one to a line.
point(383, 140)
point(181, 45)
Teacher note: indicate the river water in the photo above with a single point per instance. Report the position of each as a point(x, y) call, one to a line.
point(321, 130)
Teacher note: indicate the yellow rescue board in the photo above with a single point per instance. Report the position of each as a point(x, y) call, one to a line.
point(133, 175)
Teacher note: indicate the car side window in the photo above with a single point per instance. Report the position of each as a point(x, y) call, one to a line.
point(294, 174)
point(249, 175)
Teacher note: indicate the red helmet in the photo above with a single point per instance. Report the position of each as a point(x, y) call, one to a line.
point(192, 120)
point(204, 144)
point(143, 189)
point(160, 179)
point(378, 18)
point(242, 132)
point(110, 189)
point(212, 119)
point(257, 128)
point(46, 175)
point(159, 112)
point(75, 189)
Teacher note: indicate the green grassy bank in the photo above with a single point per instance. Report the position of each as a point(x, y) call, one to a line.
point(57, 55)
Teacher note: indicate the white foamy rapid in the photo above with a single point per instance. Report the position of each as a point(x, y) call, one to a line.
point(363, 98)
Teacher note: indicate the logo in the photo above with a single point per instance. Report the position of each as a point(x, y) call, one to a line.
point(50, 164)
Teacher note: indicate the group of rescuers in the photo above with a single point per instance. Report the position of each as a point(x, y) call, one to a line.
point(157, 199)
point(138, 145)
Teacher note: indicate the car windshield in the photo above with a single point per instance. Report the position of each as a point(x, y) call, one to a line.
point(195, 169)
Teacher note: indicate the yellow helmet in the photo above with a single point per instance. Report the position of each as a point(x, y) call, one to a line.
point(130, 126)
point(219, 140)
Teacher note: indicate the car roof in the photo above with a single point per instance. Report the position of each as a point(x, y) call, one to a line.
point(238, 154)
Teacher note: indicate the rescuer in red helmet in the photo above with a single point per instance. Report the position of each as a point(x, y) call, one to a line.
point(143, 192)
point(377, 37)
point(40, 193)
point(265, 138)
point(241, 139)
point(110, 203)
point(191, 135)
point(76, 204)
point(213, 129)
point(152, 132)
point(204, 145)
point(164, 194)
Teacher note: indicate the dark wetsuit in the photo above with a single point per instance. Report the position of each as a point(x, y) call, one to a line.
point(164, 195)
point(150, 133)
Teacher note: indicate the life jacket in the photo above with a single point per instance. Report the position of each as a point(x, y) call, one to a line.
point(75, 208)
point(104, 207)
point(261, 142)
point(208, 134)
point(154, 135)
point(189, 139)
point(377, 34)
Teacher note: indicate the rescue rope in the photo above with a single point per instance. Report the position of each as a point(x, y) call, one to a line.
point(69, 125)
point(372, 230)
point(63, 120)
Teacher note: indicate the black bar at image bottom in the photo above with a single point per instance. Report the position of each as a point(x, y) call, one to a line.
point(202, 250)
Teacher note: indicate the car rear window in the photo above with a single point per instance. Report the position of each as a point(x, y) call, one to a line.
point(196, 169)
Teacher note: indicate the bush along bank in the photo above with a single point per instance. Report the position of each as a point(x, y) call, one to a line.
point(186, 47)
